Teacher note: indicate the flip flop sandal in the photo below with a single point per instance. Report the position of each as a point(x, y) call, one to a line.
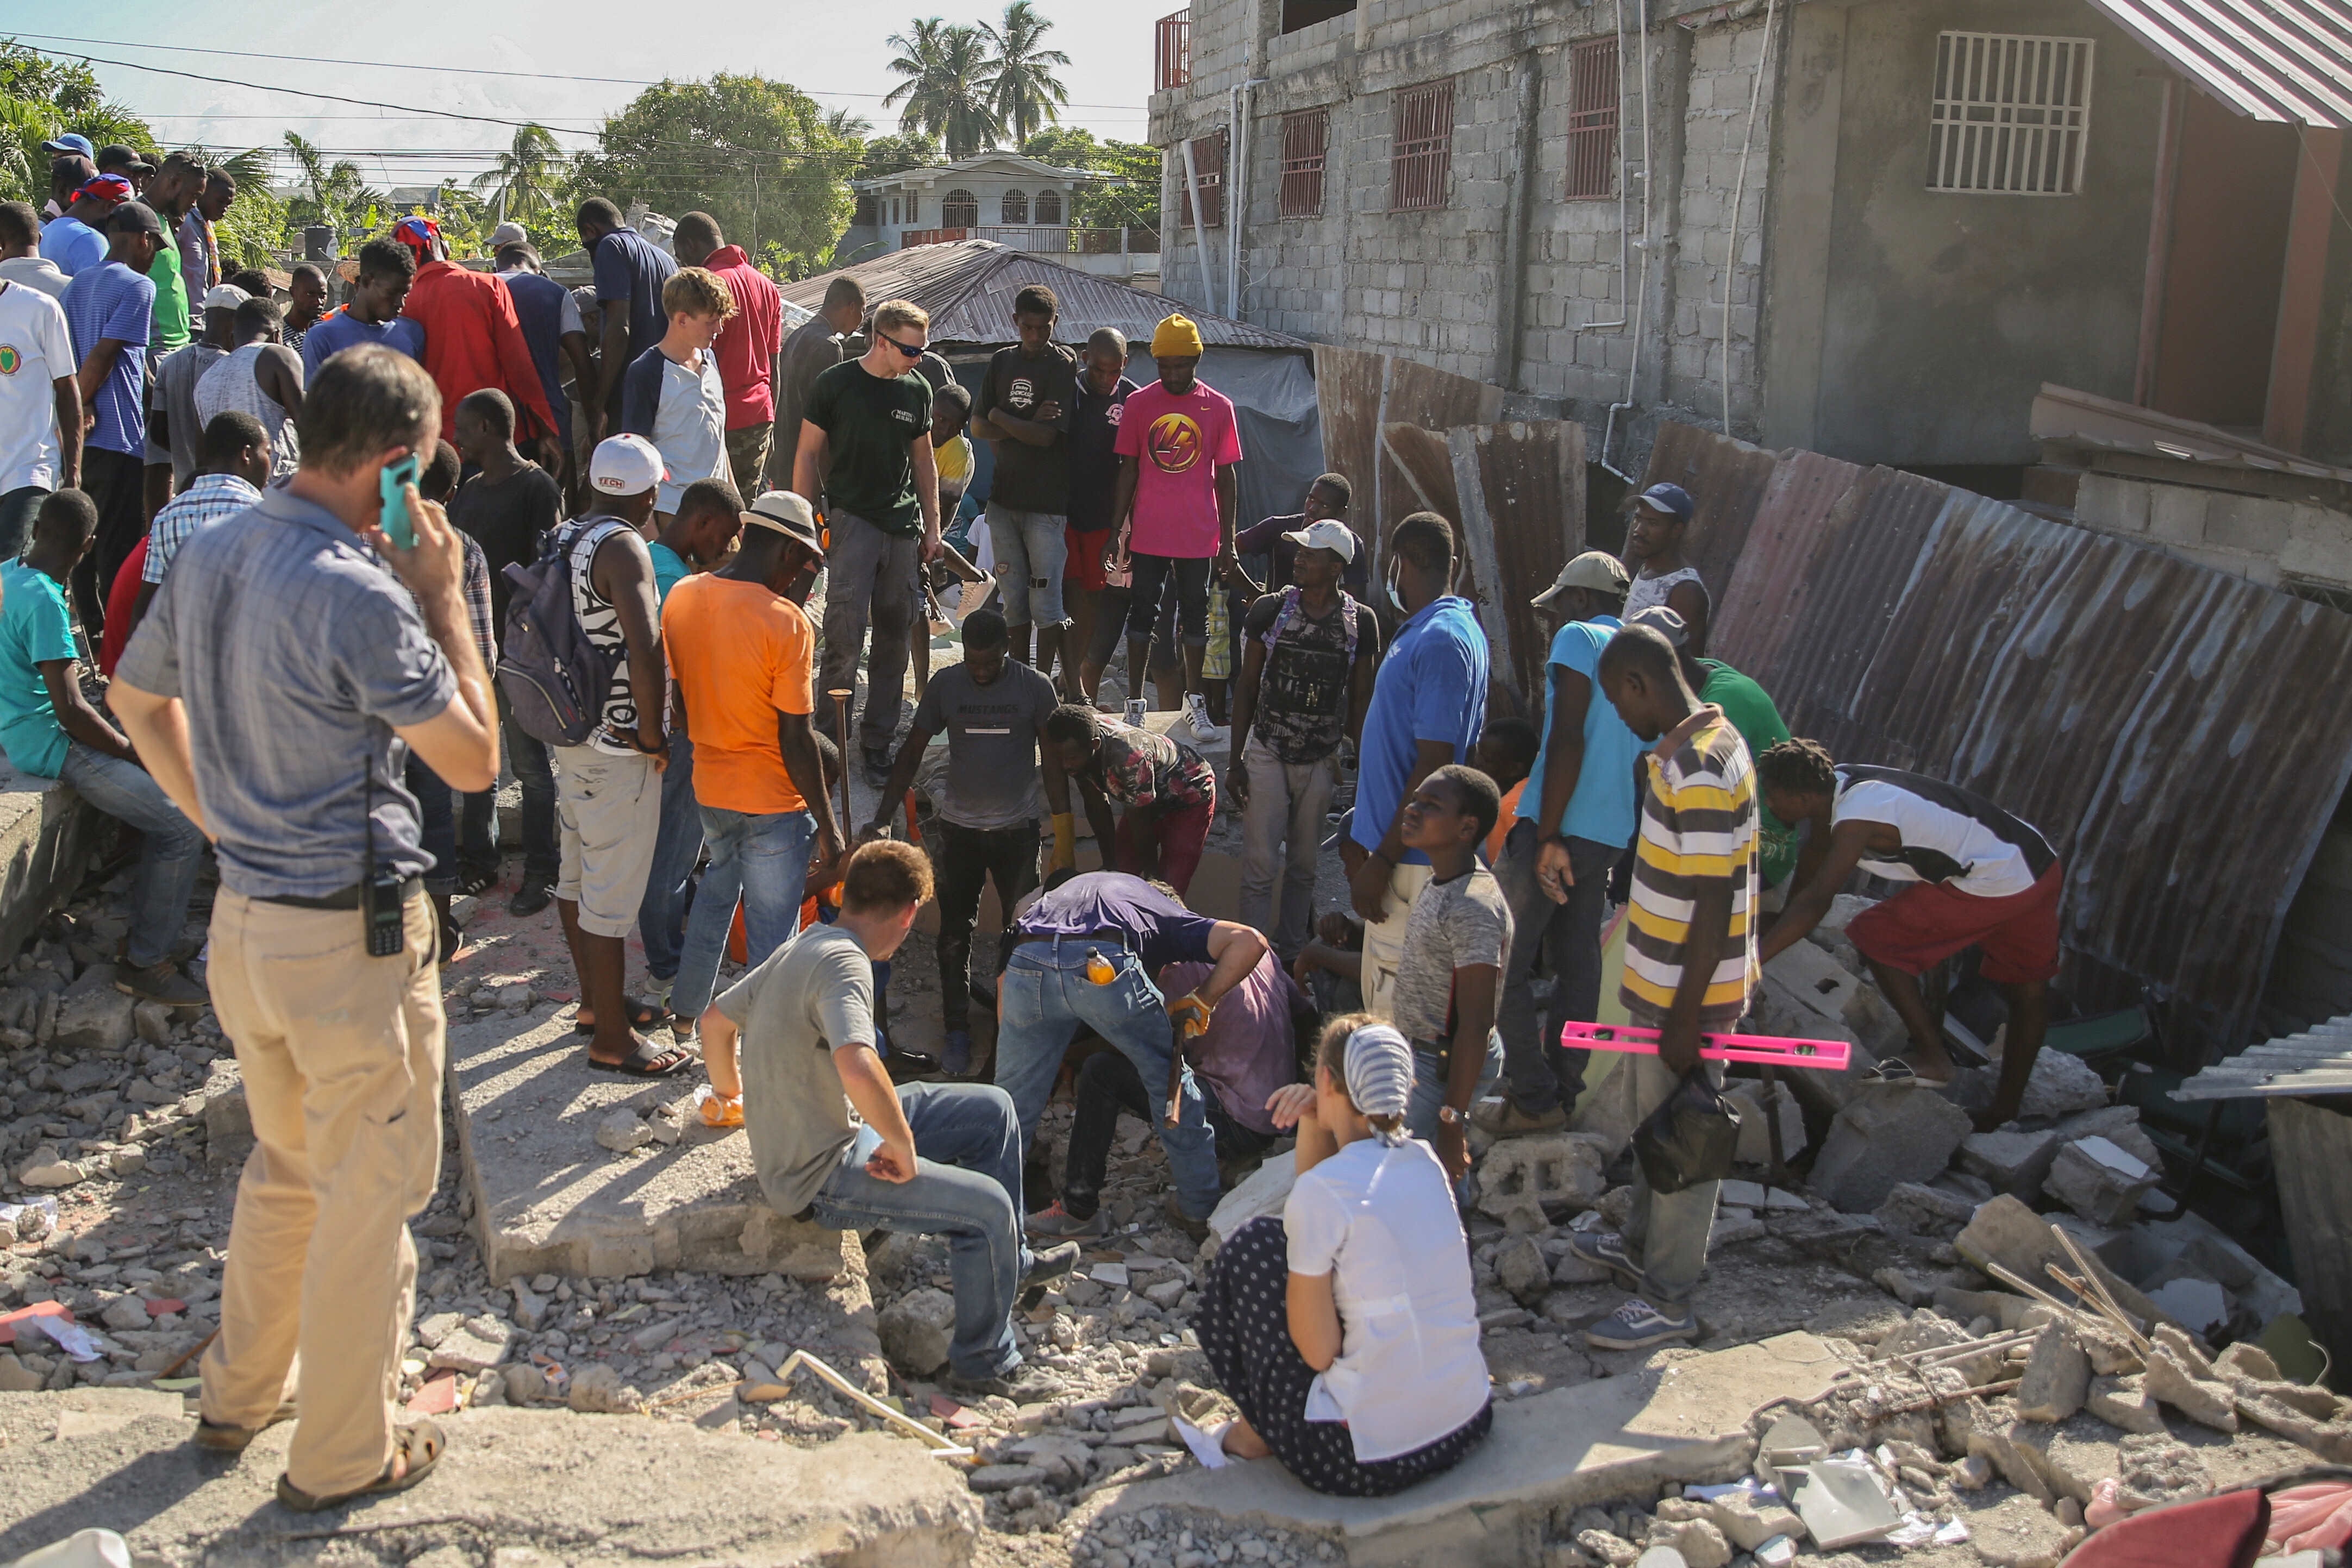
point(1894, 1070)
point(422, 1443)
point(225, 1439)
point(648, 1061)
point(643, 1014)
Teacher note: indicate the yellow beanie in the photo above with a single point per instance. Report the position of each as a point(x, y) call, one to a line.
point(1176, 336)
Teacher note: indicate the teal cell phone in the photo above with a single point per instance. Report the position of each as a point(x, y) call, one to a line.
point(394, 519)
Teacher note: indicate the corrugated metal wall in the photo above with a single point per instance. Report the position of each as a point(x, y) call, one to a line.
point(2179, 734)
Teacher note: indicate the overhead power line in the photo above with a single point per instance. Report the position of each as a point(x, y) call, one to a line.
point(404, 109)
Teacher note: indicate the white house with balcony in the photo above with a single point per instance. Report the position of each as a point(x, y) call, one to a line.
point(1019, 203)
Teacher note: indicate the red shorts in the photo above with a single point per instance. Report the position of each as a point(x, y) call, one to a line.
point(1928, 923)
point(1082, 568)
point(1180, 835)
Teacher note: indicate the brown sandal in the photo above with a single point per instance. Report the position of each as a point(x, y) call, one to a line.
point(227, 1439)
point(421, 1438)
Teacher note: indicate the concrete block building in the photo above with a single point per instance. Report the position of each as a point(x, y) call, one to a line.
point(1871, 227)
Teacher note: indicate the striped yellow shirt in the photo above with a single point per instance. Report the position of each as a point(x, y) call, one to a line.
point(1698, 822)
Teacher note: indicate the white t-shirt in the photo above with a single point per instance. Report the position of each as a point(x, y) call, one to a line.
point(1968, 843)
point(37, 270)
point(690, 428)
point(35, 350)
point(1382, 1222)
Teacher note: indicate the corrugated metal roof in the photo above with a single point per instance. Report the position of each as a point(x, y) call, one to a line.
point(968, 286)
point(2076, 418)
point(2267, 59)
point(2316, 1061)
point(2135, 706)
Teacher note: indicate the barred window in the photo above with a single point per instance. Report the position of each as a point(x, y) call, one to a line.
point(1421, 153)
point(1209, 171)
point(1014, 205)
point(958, 210)
point(1049, 207)
point(1593, 72)
point(1304, 136)
point(2011, 114)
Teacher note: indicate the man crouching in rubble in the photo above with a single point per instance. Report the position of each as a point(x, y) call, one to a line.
point(806, 1015)
point(1979, 878)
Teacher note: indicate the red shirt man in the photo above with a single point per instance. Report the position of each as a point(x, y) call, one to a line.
point(472, 337)
point(746, 348)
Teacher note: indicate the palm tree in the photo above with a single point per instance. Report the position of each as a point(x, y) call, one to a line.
point(847, 125)
point(1024, 92)
point(946, 91)
point(338, 195)
point(524, 180)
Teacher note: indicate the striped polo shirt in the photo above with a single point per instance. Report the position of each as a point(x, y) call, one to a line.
point(1698, 821)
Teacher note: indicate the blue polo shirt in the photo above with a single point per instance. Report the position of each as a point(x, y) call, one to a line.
point(1602, 809)
point(110, 300)
point(1432, 686)
point(296, 654)
point(332, 334)
point(72, 244)
point(629, 268)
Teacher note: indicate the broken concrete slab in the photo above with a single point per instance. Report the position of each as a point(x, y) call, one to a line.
point(2177, 1376)
point(2200, 1305)
point(1755, 1130)
point(549, 1199)
point(2099, 1180)
point(1684, 1419)
point(862, 1498)
point(2006, 1232)
point(1527, 1182)
point(2057, 1377)
point(1916, 1210)
point(2015, 1534)
point(2123, 1402)
point(2015, 1162)
point(1886, 1134)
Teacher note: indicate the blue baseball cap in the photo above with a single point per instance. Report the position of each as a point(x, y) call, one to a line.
point(1671, 499)
point(71, 142)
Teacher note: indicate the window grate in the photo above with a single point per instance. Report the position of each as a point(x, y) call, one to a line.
point(1422, 154)
point(2011, 114)
point(1209, 170)
point(1595, 70)
point(958, 210)
point(1171, 52)
point(1304, 137)
point(1049, 208)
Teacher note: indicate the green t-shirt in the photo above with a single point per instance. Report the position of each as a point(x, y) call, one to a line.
point(1749, 708)
point(870, 425)
point(34, 628)
point(170, 300)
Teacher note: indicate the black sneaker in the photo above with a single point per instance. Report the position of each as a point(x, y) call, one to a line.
point(531, 897)
point(1047, 1263)
point(877, 762)
point(1023, 1384)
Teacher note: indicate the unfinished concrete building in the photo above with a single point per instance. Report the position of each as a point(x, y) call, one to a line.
point(1873, 229)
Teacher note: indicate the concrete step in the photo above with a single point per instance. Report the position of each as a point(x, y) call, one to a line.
point(47, 832)
point(563, 1485)
point(1684, 1419)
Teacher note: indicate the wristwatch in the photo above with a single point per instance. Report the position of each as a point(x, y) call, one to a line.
point(1449, 1116)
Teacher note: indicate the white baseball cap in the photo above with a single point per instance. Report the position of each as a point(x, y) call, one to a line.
point(1327, 534)
point(625, 466)
point(225, 297)
point(507, 233)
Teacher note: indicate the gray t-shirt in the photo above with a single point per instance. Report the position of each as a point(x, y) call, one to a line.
point(811, 996)
point(1453, 925)
point(992, 778)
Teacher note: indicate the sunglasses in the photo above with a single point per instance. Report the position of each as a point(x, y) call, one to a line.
point(914, 352)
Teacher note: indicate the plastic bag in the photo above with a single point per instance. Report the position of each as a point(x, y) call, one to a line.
point(1689, 1139)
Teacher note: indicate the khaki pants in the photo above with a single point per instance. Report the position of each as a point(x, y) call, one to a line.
point(1384, 943)
point(342, 1057)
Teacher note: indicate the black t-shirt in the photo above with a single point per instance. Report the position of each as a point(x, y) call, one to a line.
point(1307, 678)
point(1094, 459)
point(1031, 478)
point(509, 518)
point(871, 424)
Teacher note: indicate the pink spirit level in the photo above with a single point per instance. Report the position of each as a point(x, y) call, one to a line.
point(1772, 1050)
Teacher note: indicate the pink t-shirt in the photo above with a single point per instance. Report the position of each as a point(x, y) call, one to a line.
point(1182, 442)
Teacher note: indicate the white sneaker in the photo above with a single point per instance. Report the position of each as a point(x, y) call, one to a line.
point(1196, 712)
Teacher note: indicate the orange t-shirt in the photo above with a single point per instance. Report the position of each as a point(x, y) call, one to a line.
point(1502, 823)
point(740, 655)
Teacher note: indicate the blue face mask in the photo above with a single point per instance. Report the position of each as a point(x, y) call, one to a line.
point(1394, 598)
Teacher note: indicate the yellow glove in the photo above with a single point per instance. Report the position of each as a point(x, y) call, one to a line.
point(1066, 842)
point(1191, 1014)
point(722, 1110)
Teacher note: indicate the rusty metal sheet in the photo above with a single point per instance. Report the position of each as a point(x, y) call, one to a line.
point(1347, 399)
point(1726, 480)
point(1359, 395)
point(1520, 487)
point(2130, 705)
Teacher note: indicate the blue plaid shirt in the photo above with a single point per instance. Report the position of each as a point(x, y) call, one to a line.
point(208, 499)
point(296, 653)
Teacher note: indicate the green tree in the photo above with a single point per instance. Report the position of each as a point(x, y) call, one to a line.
point(846, 125)
point(41, 97)
point(1127, 196)
point(338, 196)
point(256, 231)
point(1024, 92)
point(889, 154)
point(754, 153)
point(530, 182)
point(946, 94)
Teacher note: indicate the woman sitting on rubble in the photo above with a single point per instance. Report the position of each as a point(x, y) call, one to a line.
point(1347, 1331)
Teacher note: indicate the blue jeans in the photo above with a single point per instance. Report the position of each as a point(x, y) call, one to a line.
point(168, 862)
point(1047, 997)
point(17, 509)
point(761, 861)
point(535, 770)
point(967, 1187)
point(1429, 1087)
point(661, 917)
point(1565, 938)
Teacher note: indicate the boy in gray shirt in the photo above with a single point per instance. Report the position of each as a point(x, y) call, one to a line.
point(806, 1017)
point(1456, 939)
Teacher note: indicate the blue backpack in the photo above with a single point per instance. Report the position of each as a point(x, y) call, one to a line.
point(554, 678)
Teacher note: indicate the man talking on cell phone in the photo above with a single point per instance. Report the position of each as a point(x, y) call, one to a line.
point(263, 691)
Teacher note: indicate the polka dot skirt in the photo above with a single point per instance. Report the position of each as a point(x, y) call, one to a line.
point(1243, 1322)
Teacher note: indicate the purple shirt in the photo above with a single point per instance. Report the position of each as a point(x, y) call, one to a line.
point(1160, 930)
point(1251, 1049)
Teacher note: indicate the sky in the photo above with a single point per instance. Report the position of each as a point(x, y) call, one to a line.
point(835, 52)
